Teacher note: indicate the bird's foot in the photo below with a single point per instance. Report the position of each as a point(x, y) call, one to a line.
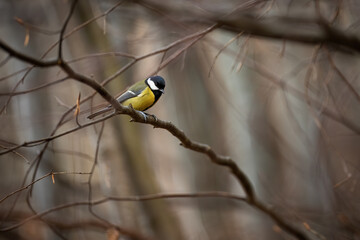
point(143, 114)
point(152, 115)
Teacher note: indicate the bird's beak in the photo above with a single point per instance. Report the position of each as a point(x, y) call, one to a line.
point(162, 91)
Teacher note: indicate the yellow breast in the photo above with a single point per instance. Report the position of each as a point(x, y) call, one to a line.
point(141, 102)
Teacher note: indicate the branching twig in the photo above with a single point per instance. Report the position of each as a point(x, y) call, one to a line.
point(35, 88)
point(12, 52)
point(37, 180)
point(53, 136)
point(342, 76)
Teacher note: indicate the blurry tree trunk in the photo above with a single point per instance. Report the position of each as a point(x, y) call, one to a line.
point(160, 219)
point(199, 100)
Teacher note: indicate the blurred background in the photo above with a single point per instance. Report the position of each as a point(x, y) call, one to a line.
point(286, 111)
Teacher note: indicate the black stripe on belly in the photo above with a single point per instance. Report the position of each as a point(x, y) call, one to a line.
point(157, 95)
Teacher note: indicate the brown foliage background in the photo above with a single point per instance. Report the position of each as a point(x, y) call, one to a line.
point(262, 95)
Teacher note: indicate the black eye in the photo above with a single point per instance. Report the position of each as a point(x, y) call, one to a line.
point(158, 81)
point(160, 85)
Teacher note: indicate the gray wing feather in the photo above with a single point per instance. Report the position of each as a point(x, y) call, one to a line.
point(127, 95)
point(132, 92)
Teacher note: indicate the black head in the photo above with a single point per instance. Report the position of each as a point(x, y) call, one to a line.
point(156, 83)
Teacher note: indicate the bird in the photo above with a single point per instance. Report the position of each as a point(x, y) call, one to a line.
point(141, 95)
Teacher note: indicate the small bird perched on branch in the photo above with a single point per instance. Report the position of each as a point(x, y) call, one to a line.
point(142, 95)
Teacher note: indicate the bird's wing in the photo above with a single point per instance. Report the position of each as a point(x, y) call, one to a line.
point(133, 91)
point(123, 97)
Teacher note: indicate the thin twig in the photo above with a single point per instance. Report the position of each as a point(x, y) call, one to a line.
point(136, 198)
point(35, 88)
point(37, 180)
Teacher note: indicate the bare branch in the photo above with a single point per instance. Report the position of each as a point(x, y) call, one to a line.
point(36, 88)
point(26, 58)
point(35, 181)
point(62, 32)
point(150, 197)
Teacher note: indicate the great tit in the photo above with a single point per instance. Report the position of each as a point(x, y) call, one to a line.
point(142, 95)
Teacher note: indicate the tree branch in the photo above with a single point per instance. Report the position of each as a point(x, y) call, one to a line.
point(12, 52)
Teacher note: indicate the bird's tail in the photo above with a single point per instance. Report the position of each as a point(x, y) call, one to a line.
point(101, 111)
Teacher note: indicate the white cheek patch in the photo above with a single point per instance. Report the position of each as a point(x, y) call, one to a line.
point(152, 84)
